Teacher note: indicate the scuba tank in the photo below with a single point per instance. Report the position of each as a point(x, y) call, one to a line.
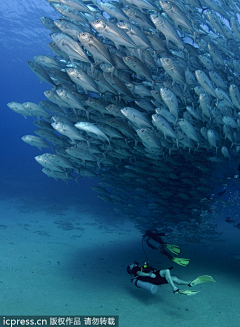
point(154, 240)
point(152, 243)
point(145, 285)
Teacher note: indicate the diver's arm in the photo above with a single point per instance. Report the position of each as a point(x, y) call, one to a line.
point(143, 274)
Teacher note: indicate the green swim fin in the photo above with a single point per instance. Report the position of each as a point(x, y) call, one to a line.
point(186, 292)
point(173, 248)
point(201, 279)
point(181, 261)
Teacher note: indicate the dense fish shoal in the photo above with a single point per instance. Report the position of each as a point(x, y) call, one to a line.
point(145, 97)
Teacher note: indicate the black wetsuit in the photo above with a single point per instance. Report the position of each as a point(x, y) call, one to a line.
point(157, 237)
point(158, 280)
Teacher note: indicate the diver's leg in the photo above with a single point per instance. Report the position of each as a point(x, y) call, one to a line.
point(179, 281)
point(167, 275)
point(163, 251)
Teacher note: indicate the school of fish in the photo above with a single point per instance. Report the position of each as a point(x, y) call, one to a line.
point(145, 97)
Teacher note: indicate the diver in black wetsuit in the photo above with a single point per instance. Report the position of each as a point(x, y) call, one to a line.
point(154, 241)
point(154, 276)
point(147, 274)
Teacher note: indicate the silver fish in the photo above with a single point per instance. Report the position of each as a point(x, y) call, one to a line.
point(48, 61)
point(138, 118)
point(230, 122)
point(204, 81)
point(166, 114)
point(234, 95)
point(112, 32)
point(70, 131)
point(162, 125)
point(177, 15)
point(206, 61)
point(149, 138)
point(70, 47)
point(135, 33)
point(35, 109)
point(40, 72)
point(53, 97)
point(138, 17)
point(167, 29)
point(58, 175)
point(84, 155)
point(45, 161)
point(117, 84)
point(138, 67)
point(19, 109)
point(95, 47)
point(79, 77)
point(49, 23)
point(223, 96)
point(123, 126)
point(212, 138)
point(76, 5)
point(70, 28)
point(188, 129)
point(217, 79)
point(170, 100)
point(174, 70)
point(69, 12)
point(113, 10)
point(143, 4)
point(92, 129)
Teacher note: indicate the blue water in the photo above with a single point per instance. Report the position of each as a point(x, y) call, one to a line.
point(22, 37)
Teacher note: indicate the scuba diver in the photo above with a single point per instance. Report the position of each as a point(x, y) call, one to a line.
point(154, 241)
point(148, 278)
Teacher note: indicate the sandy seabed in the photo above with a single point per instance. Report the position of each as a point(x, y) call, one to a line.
point(74, 263)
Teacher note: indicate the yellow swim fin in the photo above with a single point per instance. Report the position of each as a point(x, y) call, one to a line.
point(201, 279)
point(173, 248)
point(181, 261)
point(186, 292)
